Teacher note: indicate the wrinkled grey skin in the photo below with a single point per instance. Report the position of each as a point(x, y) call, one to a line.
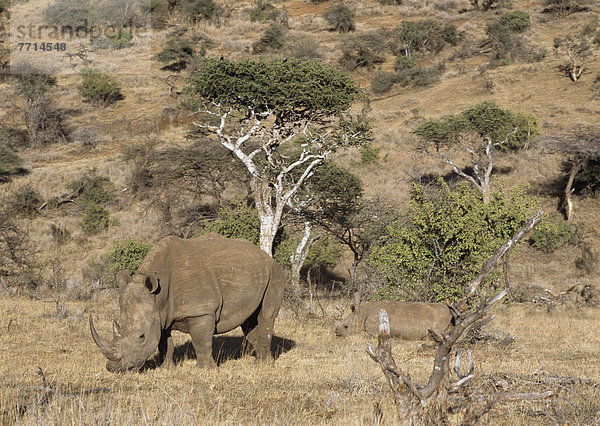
point(408, 320)
point(201, 286)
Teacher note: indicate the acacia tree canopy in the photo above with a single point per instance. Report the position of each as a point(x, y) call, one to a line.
point(291, 89)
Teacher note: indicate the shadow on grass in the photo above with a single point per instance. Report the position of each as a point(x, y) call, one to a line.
point(225, 348)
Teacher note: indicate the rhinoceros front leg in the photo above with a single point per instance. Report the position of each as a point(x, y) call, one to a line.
point(166, 349)
point(202, 329)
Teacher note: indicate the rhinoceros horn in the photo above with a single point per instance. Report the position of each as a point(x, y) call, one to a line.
point(105, 347)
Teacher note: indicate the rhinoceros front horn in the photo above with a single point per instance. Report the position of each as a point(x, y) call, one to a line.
point(104, 346)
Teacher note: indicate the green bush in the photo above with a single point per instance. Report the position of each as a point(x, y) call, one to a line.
point(120, 39)
point(199, 10)
point(271, 40)
point(10, 163)
point(99, 88)
point(369, 154)
point(95, 220)
point(13, 138)
point(264, 12)
point(485, 119)
point(426, 35)
point(340, 17)
point(383, 81)
point(361, 51)
point(24, 202)
point(440, 243)
point(403, 63)
point(237, 221)
point(516, 21)
point(97, 189)
point(550, 235)
point(128, 255)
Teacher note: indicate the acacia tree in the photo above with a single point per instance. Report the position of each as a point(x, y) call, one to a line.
point(478, 131)
point(278, 117)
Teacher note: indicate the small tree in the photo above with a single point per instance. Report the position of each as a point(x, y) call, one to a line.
point(340, 17)
point(581, 145)
point(478, 130)
point(423, 36)
point(576, 50)
point(278, 118)
point(44, 123)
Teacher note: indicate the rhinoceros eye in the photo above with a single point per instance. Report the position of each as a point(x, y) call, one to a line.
point(142, 337)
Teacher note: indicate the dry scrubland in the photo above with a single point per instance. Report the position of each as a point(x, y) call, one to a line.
point(317, 378)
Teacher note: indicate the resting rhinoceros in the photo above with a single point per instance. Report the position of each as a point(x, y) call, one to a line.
point(201, 286)
point(409, 321)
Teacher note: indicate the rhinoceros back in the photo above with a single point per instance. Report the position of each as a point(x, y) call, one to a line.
point(408, 320)
point(212, 274)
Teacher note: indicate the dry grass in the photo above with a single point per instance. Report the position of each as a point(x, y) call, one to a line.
point(317, 379)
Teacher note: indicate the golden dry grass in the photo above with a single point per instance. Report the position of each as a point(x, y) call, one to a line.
point(317, 379)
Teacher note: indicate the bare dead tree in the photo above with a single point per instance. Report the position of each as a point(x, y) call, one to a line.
point(576, 50)
point(428, 403)
point(581, 144)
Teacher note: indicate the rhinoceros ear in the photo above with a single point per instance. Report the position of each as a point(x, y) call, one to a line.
point(152, 284)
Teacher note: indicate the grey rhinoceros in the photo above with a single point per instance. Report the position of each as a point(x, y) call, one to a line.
point(201, 286)
point(408, 320)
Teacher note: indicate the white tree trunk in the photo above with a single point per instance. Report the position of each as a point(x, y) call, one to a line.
point(299, 257)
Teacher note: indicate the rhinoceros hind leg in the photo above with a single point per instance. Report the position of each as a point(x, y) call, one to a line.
point(258, 332)
point(201, 329)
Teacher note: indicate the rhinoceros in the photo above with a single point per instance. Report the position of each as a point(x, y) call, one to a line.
point(408, 320)
point(201, 286)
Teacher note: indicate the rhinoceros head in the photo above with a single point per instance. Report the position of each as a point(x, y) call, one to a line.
point(347, 326)
point(136, 335)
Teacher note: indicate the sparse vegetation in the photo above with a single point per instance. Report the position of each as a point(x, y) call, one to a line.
point(272, 39)
point(264, 11)
point(361, 51)
point(24, 202)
